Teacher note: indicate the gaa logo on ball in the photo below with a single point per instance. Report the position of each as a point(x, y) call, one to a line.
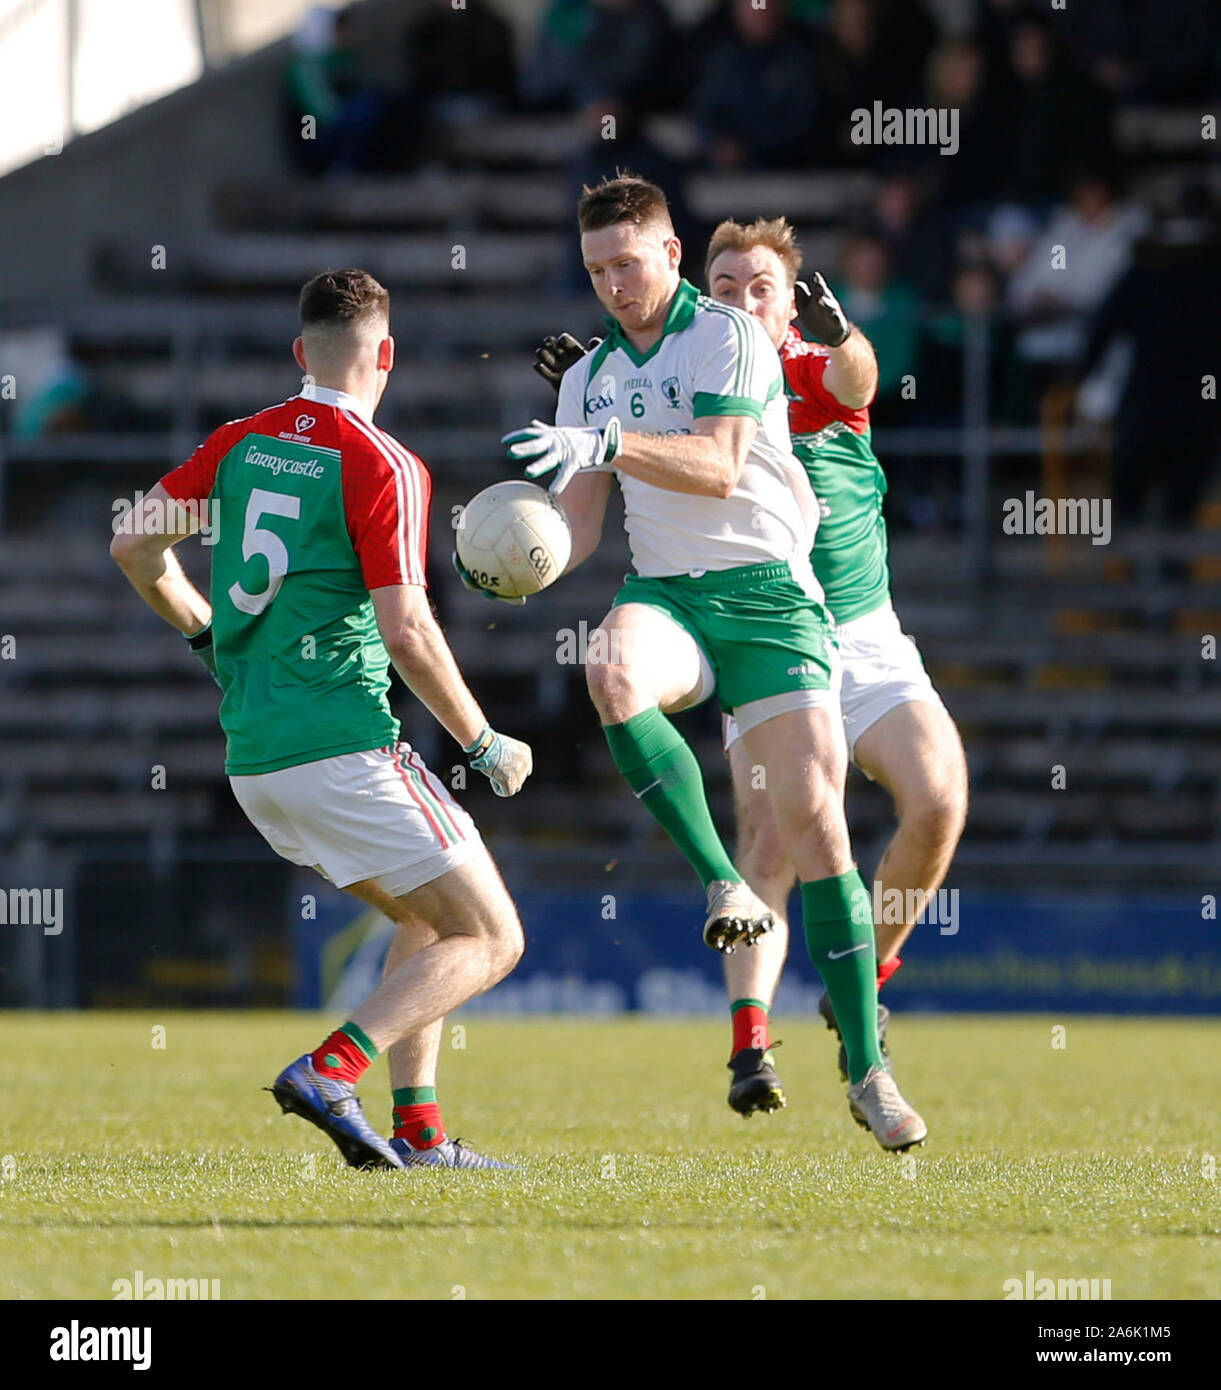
point(514, 538)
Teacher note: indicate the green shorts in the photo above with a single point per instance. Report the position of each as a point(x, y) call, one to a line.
point(762, 633)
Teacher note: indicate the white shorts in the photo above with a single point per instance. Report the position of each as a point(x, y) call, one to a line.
point(881, 669)
point(380, 814)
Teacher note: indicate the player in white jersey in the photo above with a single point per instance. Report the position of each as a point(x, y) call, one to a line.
point(683, 403)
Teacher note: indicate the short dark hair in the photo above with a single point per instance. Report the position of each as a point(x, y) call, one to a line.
point(625, 198)
point(343, 299)
point(775, 234)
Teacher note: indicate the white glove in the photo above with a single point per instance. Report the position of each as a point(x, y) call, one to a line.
point(506, 762)
point(568, 449)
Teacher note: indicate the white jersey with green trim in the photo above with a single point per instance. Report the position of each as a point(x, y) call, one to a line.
point(710, 360)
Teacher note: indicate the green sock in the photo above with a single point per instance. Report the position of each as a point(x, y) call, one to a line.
point(838, 915)
point(663, 772)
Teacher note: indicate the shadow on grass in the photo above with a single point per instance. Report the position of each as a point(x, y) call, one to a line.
point(492, 1223)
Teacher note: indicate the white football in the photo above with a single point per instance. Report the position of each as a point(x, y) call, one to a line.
point(514, 538)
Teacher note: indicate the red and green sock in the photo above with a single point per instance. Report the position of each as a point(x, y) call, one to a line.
point(345, 1055)
point(749, 1024)
point(417, 1117)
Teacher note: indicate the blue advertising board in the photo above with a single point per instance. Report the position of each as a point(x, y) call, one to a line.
point(609, 954)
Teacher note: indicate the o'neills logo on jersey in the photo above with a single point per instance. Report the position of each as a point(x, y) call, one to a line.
point(300, 468)
point(888, 125)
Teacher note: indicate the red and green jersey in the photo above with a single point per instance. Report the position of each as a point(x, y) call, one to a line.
point(313, 507)
point(833, 441)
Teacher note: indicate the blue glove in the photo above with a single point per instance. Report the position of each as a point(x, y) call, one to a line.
point(506, 762)
point(569, 449)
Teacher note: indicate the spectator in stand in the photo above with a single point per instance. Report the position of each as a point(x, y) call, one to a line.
point(1005, 239)
point(975, 294)
point(713, 26)
point(870, 50)
point(1166, 432)
point(755, 101)
point(626, 56)
point(1056, 119)
point(956, 81)
point(1148, 50)
point(992, 24)
point(599, 55)
point(1052, 300)
point(345, 132)
point(460, 63)
point(927, 490)
point(916, 233)
point(57, 395)
point(549, 75)
point(887, 312)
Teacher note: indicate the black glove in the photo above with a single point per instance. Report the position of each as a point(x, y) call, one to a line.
point(820, 312)
point(201, 644)
point(556, 355)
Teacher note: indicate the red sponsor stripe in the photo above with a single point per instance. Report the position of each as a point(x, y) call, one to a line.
point(419, 800)
point(439, 790)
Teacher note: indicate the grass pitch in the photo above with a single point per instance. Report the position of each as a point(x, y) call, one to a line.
point(1091, 1160)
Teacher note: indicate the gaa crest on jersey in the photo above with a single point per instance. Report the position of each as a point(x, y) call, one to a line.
point(671, 392)
point(605, 399)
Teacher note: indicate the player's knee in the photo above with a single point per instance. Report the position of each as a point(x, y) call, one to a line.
point(763, 863)
point(612, 690)
point(936, 814)
point(507, 945)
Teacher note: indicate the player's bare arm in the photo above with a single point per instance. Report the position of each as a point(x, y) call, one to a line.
point(852, 372)
point(705, 463)
point(143, 550)
point(852, 368)
point(423, 659)
point(584, 503)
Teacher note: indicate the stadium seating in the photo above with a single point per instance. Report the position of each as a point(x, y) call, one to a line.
point(1095, 669)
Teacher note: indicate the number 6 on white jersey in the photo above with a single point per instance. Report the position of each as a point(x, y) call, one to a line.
point(257, 540)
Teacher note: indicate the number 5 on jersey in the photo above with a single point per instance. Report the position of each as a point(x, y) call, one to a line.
point(258, 540)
